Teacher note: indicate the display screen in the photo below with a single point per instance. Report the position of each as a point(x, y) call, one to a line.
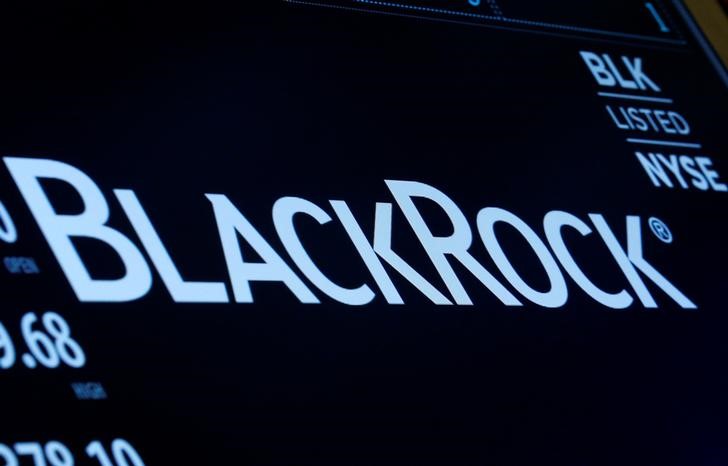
point(358, 232)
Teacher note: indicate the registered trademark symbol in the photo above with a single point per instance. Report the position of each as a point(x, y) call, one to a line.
point(660, 230)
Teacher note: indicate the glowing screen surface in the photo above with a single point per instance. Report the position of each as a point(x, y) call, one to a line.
point(358, 232)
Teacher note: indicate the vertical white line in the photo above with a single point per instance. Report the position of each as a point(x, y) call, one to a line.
point(658, 18)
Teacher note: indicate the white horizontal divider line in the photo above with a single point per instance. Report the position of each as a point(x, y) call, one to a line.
point(636, 97)
point(655, 142)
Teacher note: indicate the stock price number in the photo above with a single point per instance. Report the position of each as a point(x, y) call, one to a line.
point(8, 233)
point(48, 341)
point(53, 453)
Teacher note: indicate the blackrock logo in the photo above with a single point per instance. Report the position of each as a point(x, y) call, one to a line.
point(376, 253)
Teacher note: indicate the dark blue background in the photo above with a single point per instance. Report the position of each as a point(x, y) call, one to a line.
point(260, 100)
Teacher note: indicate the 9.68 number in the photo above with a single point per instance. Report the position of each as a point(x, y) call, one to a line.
point(50, 345)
